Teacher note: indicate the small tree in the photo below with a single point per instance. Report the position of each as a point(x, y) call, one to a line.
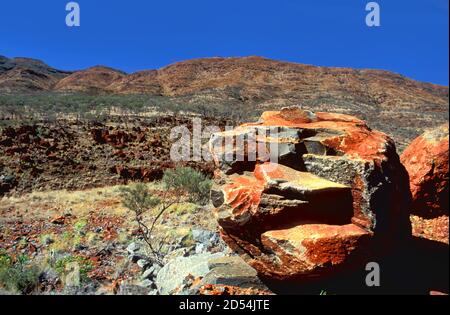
point(138, 199)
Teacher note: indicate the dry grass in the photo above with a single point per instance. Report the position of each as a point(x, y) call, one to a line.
point(47, 204)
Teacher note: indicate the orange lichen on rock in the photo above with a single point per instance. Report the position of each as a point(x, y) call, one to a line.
point(313, 205)
point(243, 194)
point(353, 136)
point(426, 160)
point(310, 248)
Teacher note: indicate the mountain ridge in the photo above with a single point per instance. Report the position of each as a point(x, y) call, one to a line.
point(25, 63)
point(390, 102)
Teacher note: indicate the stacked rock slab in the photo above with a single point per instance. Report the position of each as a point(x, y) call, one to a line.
point(426, 160)
point(321, 190)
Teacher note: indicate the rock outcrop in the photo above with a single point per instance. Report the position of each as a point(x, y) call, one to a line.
point(318, 196)
point(426, 160)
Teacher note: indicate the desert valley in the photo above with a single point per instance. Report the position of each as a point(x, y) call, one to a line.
point(92, 203)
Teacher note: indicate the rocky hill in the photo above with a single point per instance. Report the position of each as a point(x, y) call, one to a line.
point(92, 80)
point(390, 102)
point(249, 78)
point(27, 75)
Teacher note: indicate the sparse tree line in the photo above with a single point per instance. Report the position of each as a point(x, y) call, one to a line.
point(52, 106)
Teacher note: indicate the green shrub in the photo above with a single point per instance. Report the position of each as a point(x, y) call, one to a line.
point(5, 259)
point(193, 182)
point(18, 276)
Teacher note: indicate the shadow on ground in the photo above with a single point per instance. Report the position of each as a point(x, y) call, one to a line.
point(418, 266)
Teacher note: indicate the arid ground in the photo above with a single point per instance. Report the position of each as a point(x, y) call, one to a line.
point(71, 141)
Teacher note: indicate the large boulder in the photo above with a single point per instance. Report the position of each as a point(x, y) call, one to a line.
point(208, 273)
point(426, 160)
point(301, 194)
point(230, 275)
point(171, 279)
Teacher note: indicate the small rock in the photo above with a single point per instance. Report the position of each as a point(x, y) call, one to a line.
point(9, 179)
point(108, 249)
point(98, 230)
point(200, 248)
point(149, 273)
point(132, 289)
point(60, 220)
point(133, 248)
point(72, 277)
point(188, 251)
point(134, 258)
point(144, 263)
point(147, 283)
point(90, 289)
point(202, 236)
point(176, 253)
point(80, 247)
point(157, 269)
point(172, 276)
point(232, 270)
point(48, 241)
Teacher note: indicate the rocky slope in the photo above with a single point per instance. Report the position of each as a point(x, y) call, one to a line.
point(79, 155)
point(390, 102)
point(27, 75)
point(92, 80)
point(250, 78)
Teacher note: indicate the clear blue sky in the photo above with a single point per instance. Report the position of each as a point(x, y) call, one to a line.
point(144, 34)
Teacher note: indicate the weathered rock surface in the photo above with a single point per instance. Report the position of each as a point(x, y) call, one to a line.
point(426, 160)
point(210, 274)
point(230, 275)
point(232, 271)
point(132, 289)
point(324, 190)
point(172, 276)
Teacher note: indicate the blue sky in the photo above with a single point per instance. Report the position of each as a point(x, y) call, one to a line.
point(145, 34)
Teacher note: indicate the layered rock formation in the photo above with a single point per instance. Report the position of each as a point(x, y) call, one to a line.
point(426, 160)
point(322, 190)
